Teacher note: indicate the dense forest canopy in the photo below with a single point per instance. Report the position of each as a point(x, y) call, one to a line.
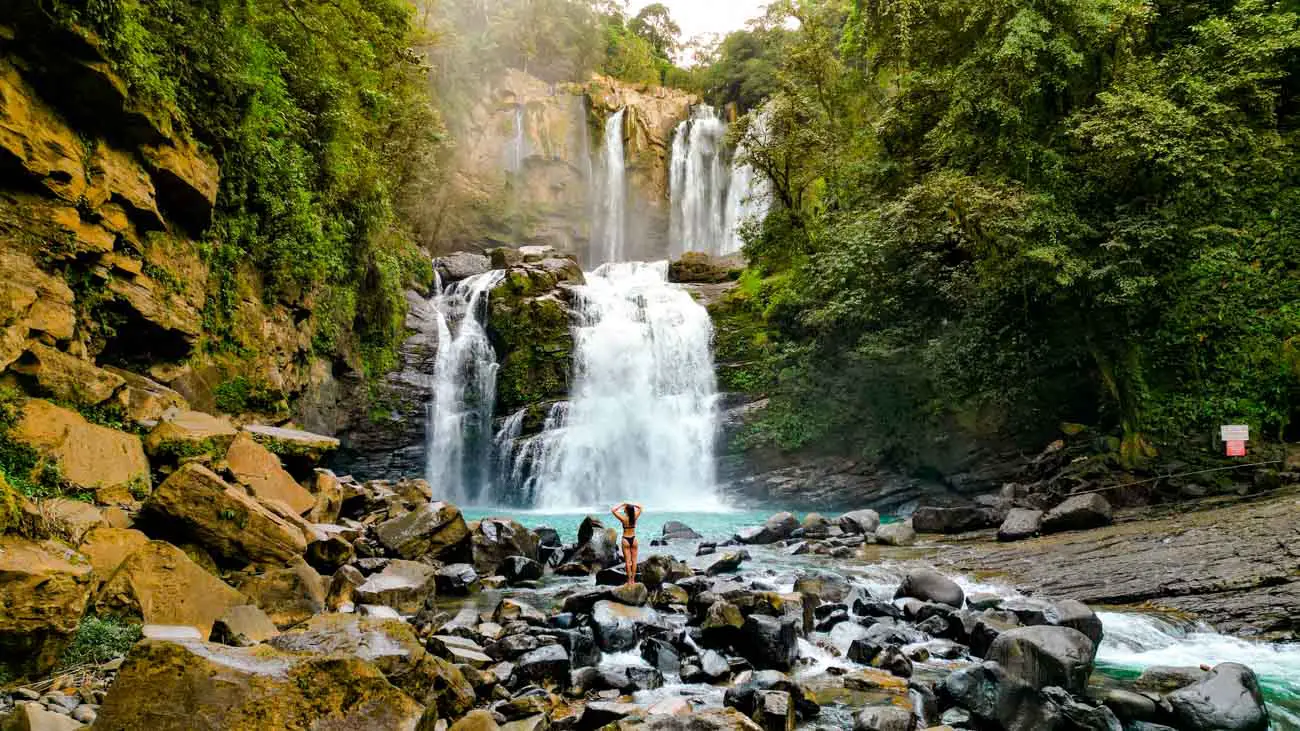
point(1004, 214)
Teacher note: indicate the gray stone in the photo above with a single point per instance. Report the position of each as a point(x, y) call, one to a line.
point(931, 586)
point(1226, 699)
point(1020, 523)
point(884, 718)
point(860, 521)
point(1079, 512)
point(1045, 656)
point(774, 710)
point(896, 534)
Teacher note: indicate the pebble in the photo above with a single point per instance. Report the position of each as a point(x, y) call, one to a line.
point(85, 714)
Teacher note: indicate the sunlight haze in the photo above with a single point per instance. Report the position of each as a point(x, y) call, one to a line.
point(695, 17)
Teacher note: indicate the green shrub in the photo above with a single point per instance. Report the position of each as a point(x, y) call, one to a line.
point(100, 639)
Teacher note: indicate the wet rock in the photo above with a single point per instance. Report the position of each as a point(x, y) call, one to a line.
point(884, 718)
point(1045, 656)
point(776, 528)
point(705, 549)
point(1020, 523)
point(769, 643)
point(631, 678)
point(457, 579)
point(954, 520)
point(773, 710)
point(618, 627)
point(662, 655)
point(1129, 706)
point(584, 600)
point(433, 530)
point(660, 569)
point(520, 568)
point(233, 688)
point(161, 585)
point(1076, 714)
point(1079, 512)
point(678, 531)
point(243, 626)
point(727, 719)
point(871, 679)
point(34, 717)
point(860, 521)
point(830, 619)
point(714, 667)
point(547, 666)
point(1227, 698)
point(497, 539)
point(1166, 678)
point(634, 595)
point(508, 610)
point(826, 586)
point(402, 585)
point(726, 563)
point(342, 588)
point(289, 596)
point(459, 651)
point(994, 698)
point(892, 660)
point(600, 714)
point(896, 534)
point(931, 586)
point(460, 265)
point(1076, 615)
point(722, 623)
point(223, 518)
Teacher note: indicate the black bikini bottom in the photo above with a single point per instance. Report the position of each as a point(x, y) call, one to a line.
point(629, 541)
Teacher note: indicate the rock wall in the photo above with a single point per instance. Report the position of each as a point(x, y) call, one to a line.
point(527, 155)
point(103, 205)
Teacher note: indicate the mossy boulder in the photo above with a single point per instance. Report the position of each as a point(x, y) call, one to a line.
point(530, 327)
point(194, 685)
point(44, 589)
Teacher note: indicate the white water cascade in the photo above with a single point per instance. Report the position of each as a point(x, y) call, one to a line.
point(712, 193)
point(609, 243)
point(518, 151)
point(642, 418)
point(464, 391)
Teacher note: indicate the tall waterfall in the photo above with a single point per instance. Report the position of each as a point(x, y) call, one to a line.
point(518, 151)
point(711, 192)
point(611, 229)
point(642, 418)
point(464, 391)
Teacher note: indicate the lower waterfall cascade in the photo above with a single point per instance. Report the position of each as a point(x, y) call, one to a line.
point(642, 418)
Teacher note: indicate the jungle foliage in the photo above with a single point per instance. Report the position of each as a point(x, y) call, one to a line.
point(998, 215)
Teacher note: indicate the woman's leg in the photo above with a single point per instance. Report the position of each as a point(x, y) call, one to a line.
point(630, 555)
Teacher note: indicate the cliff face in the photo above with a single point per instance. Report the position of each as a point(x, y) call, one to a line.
point(527, 161)
point(102, 209)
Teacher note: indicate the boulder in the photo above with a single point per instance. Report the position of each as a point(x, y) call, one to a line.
point(997, 700)
point(618, 626)
point(727, 563)
point(929, 585)
point(433, 530)
point(289, 596)
point(1045, 656)
point(106, 548)
point(884, 718)
point(871, 679)
point(391, 646)
point(635, 594)
point(662, 655)
point(597, 546)
point(1076, 615)
point(547, 666)
point(328, 495)
point(64, 518)
point(509, 610)
point(244, 625)
point(459, 651)
point(695, 267)
point(143, 399)
point(259, 470)
point(328, 553)
point(195, 686)
point(776, 528)
point(954, 520)
point(108, 462)
point(185, 434)
point(460, 265)
point(35, 717)
point(44, 589)
point(520, 568)
point(770, 643)
point(496, 539)
point(67, 378)
point(1227, 698)
point(859, 521)
point(297, 446)
point(825, 586)
point(660, 569)
point(773, 710)
point(227, 521)
point(159, 584)
point(402, 585)
point(677, 531)
point(722, 624)
point(1020, 523)
point(457, 579)
point(1167, 678)
point(727, 719)
point(896, 534)
point(1079, 512)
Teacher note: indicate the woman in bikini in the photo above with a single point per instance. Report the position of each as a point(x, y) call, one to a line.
point(628, 517)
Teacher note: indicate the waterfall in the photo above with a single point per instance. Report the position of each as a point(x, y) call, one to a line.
point(711, 193)
point(611, 231)
point(517, 152)
point(464, 391)
point(641, 421)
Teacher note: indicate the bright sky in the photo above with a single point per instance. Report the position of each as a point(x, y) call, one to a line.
point(707, 16)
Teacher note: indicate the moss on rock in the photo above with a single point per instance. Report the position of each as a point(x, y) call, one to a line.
point(529, 325)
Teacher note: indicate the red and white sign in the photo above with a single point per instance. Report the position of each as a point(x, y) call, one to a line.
point(1236, 448)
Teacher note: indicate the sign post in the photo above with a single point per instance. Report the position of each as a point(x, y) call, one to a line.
point(1235, 437)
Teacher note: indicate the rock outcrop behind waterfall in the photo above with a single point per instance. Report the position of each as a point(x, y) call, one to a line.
point(528, 156)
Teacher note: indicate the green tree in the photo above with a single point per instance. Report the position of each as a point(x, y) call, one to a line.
point(656, 26)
